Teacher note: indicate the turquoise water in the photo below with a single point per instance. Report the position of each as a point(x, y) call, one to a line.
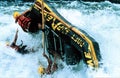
point(100, 20)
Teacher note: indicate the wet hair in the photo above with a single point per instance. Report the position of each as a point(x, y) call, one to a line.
point(22, 49)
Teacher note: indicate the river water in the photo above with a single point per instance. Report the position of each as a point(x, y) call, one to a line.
point(100, 20)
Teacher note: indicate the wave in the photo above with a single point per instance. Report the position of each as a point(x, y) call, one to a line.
point(100, 20)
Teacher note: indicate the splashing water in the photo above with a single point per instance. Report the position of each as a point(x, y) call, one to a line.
point(100, 20)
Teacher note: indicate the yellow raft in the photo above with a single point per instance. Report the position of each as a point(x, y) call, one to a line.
point(71, 43)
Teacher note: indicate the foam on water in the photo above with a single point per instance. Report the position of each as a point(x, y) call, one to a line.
point(100, 20)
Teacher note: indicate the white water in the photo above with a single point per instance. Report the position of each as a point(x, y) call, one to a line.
point(100, 20)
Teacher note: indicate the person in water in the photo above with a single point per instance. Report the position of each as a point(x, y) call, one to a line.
point(20, 48)
point(52, 65)
point(28, 21)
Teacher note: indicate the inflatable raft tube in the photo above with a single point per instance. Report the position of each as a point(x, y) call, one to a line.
point(71, 36)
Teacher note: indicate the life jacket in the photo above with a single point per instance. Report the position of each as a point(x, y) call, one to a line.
point(24, 22)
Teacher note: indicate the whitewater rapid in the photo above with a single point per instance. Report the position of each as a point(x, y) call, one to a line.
point(100, 20)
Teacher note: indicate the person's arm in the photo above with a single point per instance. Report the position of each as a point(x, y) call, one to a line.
point(16, 36)
point(48, 59)
point(48, 69)
point(56, 56)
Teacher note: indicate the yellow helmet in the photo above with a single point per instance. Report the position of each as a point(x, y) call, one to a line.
point(16, 14)
point(41, 70)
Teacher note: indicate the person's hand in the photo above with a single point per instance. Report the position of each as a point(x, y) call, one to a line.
point(48, 70)
point(39, 26)
point(54, 67)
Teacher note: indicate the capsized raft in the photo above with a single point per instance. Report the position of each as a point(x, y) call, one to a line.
point(71, 43)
